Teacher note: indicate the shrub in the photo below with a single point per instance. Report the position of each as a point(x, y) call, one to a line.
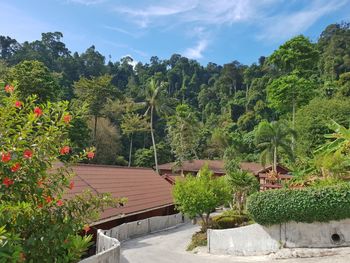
point(229, 219)
point(313, 204)
point(200, 195)
point(37, 223)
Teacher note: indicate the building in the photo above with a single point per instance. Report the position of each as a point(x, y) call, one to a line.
point(217, 166)
point(148, 194)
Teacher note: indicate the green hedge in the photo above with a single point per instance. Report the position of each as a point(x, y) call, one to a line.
point(300, 205)
point(229, 221)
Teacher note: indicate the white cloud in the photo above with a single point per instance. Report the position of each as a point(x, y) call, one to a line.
point(286, 25)
point(87, 2)
point(201, 11)
point(146, 15)
point(121, 30)
point(197, 51)
point(133, 63)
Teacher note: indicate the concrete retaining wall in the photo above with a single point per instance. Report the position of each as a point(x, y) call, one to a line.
point(108, 245)
point(258, 240)
point(107, 250)
point(144, 227)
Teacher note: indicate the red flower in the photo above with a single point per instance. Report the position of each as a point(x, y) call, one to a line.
point(6, 157)
point(48, 199)
point(86, 228)
point(7, 181)
point(90, 155)
point(40, 205)
point(18, 104)
point(71, 185)
point(40, 183)
point(15, 167)
point(9, 88)
point(27, 154)
point(59, 203)
point(64, 150)
point(38, 112)
point(67, 118)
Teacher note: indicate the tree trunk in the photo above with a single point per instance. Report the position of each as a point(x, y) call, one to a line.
point(274, 168)
point(95, 129)
point(154, 142)
point(130, 151)
point(293, 125)
point(246, 97)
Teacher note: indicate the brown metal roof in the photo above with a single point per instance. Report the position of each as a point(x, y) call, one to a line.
point(144, 189)
point(217, 166)
point(254, 168)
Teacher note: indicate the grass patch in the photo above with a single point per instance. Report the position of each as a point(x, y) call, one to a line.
point(199, 239)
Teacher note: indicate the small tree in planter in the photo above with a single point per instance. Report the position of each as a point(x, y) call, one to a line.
point(200, 195)
point(40, 225)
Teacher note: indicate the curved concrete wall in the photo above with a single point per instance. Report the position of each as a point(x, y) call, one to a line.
point(108, 250)
point(259, 240)
point(145, 226)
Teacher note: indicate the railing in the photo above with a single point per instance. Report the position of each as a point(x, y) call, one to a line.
point(107, 250)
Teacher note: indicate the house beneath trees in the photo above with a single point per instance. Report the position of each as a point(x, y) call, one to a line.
point(170, 172)
point(148, 193)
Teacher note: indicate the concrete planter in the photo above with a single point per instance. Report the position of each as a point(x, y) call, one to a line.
point(259, 240)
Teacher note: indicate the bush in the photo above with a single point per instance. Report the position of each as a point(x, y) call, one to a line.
point(36, 222)
point(313, 204)
point(229, 219)
point(200, 195)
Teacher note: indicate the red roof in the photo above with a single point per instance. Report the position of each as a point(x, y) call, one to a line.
point(217, 166)
point(144, 189)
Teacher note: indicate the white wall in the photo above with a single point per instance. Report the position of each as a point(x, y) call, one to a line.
point(258, 240)
point(145, 226)
point(107, 250)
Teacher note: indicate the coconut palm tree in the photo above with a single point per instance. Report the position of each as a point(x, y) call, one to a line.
point(156, 101)
point(274, 138)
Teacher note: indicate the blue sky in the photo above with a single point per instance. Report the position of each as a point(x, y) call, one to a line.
point(209, 31)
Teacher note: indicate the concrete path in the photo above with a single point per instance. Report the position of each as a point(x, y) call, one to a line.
point(170, 247)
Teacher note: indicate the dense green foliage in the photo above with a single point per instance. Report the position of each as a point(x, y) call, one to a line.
point(301, 82)
point(242, 184)
point(200, 195)
point(36, 222)
point(321, 204)
point(230, 219)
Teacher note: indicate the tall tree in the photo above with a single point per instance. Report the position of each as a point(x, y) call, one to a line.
point(33, 77)
point(297, 54)
point(183, 134)
point(288, 92)
point(132, 123)
point(95, 92)
point(156, 101)
point(274, 138)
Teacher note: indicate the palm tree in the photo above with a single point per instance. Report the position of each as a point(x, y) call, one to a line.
point(243, 184)
point(156, 100)
point(273, 138)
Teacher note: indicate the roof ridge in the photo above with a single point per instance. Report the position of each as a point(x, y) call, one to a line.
point(112, 166)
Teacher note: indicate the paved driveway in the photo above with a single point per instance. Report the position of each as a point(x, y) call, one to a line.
point(170, 247)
